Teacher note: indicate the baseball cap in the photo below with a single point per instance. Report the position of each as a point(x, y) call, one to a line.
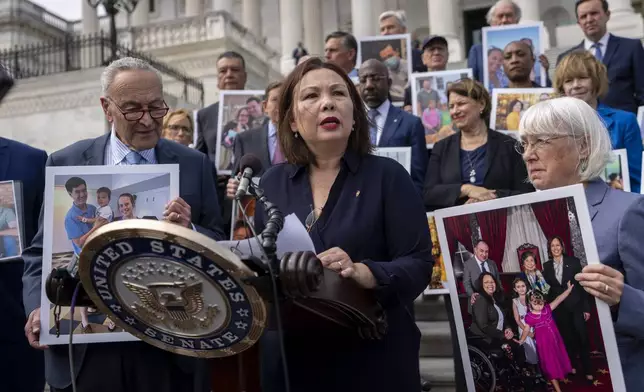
point(434, 38)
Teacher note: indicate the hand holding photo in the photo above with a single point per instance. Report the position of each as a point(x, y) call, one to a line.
point(79, 201)
point(523, 318)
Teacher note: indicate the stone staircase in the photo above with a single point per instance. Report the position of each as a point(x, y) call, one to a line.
point(436, 363)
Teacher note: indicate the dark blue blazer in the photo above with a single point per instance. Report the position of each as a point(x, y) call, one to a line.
point(625, 133)
point(21, 367)
point(374, 214)
point(196, 187)
point(475, 61)
point(403, 129)
point(624, 60)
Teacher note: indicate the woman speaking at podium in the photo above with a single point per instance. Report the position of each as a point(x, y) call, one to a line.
point(367, 222)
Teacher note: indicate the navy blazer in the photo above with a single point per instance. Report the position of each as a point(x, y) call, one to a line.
point(254, 141)
point(624, 60)
point(618, 221)
point(375, 215)
point(21, 367)
point(506, 172)
point(403, 129)
point(196, 187)
point(625, 133)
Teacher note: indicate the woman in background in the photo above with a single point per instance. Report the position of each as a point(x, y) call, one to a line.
point(178, 126)
point(514, 115)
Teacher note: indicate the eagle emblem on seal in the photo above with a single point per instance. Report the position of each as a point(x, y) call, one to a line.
point(177, 305)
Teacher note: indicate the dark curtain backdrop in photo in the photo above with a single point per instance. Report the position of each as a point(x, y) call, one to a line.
point(553, 219)
point(493, 226)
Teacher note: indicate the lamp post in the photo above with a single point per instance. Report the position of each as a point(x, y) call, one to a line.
point(112, 8)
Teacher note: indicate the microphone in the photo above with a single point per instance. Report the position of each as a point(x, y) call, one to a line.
point(250, 166)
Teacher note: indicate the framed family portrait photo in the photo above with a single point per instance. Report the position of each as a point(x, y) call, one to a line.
point(11, 221)
point(429, 101)
point(395, 52)
point(496, 38)
point(616, 171)
point(438, 282)
point(509, 104)
point(78, 201)
point(239, 111)
point(522, 319)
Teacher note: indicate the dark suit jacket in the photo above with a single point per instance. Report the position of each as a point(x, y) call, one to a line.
point(624, 60)
point(21, 367)
point(196, 187)
point(578, 299)
point(207, 119)
point(485, 319)
point(406, 130)
point(506, 172)
point(253, 142)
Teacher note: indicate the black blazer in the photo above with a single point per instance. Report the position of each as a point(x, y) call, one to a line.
point(578, 298)
point(207, 130)
point(506, 172)
point(254, 141)
point(485, 318)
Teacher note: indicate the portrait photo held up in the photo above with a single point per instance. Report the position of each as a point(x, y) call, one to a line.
point(78, 202)
point(430, 101)
point(11, 221)
point(523, 320)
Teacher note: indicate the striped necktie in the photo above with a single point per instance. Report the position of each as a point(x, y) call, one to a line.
point(134, 158)
point(598, 51)
point(373, 127)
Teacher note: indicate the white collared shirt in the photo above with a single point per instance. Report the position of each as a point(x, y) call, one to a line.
point(603, 42)
point(383, 111)
point(481, 264)
point(116, 150)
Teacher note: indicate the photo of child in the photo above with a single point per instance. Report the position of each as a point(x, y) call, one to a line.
point(616, 173)
point(509, 104)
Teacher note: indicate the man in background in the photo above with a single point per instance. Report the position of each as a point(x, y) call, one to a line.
point(395, 22)
point(341, 48)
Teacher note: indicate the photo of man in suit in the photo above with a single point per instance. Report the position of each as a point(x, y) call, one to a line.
point(476, 265)
point(623, 57)
point(21, 367)
point(391, 126)
point(133, 103)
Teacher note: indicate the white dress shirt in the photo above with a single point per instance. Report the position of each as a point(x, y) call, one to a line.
point(481, 264)
point(603, 42)
point(383, 112)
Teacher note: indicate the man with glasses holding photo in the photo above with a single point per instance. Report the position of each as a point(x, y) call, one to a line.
point(133, 103)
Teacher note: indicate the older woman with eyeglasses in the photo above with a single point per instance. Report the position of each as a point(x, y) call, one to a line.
point(565, 142)
point(178, 126)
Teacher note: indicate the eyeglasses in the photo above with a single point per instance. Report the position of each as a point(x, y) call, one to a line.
point(539, 144)
point(136, 115)
point(311, 218)
point(175, 129)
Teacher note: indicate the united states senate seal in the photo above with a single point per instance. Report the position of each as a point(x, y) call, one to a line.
point(172, 287)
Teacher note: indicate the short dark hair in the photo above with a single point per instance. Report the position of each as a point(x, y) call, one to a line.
point(130, 196)
point(579, 2)
point(272, 86)
point(253, 98)
point(475, 90)
point(348, 40)
point(74, 182)
point(105, 190)
point(295, 149)
point(231, 54)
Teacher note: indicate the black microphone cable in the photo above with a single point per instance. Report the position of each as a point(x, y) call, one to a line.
point(278, 318)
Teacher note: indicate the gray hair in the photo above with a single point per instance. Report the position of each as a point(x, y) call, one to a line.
point(568, 116)
point(124, 64)
point(492, 11)
point(400, 16)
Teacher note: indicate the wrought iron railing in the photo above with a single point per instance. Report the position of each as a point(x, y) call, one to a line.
point(73, 53)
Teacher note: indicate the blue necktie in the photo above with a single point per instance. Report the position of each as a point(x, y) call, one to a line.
point(598, 51)
point(373, 127)
point(134, 158)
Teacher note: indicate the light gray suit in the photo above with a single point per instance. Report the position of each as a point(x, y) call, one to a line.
point(196, 187)
point(618, 223)
point(472, 271)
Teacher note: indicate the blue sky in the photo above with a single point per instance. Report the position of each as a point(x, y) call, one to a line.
point(500, 38)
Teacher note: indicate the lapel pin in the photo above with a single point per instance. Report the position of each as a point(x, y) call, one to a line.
point(357, 193)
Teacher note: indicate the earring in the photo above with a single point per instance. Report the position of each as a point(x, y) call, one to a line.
point(297, 135)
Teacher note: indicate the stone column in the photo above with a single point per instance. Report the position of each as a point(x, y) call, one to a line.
point(224, 5)
point(442, 21)
point(291, 27)
point(362, 20)
point(529, 10)
point(194, 7)
point(617, 7)
point(624, 21)
point(312, 17)
point(141, 14)
point(377, 8)
point(90, 18)
point(252, 16)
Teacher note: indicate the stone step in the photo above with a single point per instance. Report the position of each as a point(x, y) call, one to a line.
point(430, 308)
point(438, 371)
point(435, 339)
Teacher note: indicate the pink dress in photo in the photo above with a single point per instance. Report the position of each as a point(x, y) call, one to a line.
point(553, 357)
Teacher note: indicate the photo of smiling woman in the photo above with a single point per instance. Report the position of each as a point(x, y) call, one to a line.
point(367, 223)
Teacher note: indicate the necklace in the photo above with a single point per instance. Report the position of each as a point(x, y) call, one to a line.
point(472, 169)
